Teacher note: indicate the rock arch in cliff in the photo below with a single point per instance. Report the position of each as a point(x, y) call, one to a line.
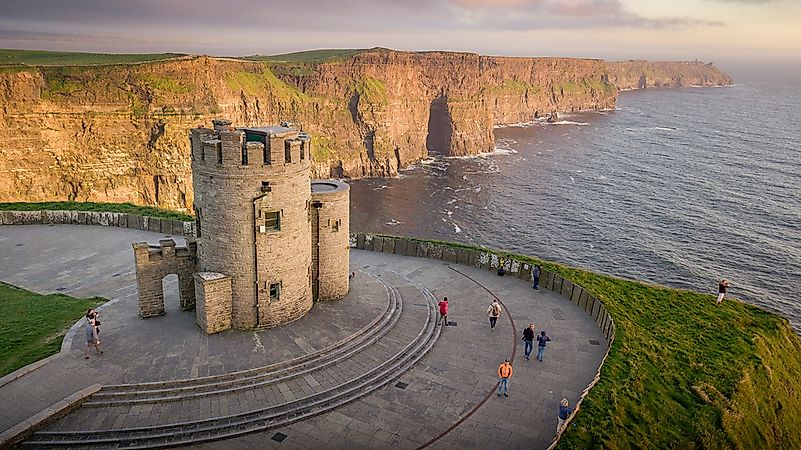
point(440, 127)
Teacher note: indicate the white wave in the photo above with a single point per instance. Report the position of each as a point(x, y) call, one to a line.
point(383, 186)
point(666, 128)
point(452, 201)
point(568, 122)
point(394, 222)
point(477, 189)
point(456, 228)
point(527, 124)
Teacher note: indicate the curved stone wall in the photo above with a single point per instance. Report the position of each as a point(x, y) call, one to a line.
point(109, 219)
point(330, 224)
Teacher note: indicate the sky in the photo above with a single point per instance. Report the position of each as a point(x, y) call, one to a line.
point(709, 30)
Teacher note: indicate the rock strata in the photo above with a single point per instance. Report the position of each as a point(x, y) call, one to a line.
point(118, 133)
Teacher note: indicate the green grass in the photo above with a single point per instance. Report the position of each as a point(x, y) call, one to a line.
point(686, 373)
point(370, 89)
point(32, 326)
point(166, 84)
point(263, 83)
point(91, 206)
point(308, 55)
point(48, 58)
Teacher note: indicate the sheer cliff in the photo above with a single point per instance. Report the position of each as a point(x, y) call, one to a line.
point(119, 132)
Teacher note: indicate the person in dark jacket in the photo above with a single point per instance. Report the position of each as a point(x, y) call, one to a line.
point(528, 340)
point(723, 286)
point(535, 274)
point(541, 340)
point(564, 413)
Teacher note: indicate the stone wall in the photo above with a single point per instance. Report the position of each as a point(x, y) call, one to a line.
point(234, 194)
point(155, 263)
point(489, 260)
point(213, 296)
point(330, 223)
point(109, 219)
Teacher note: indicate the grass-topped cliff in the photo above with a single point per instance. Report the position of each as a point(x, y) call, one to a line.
point(686, 373)
point(100, 127)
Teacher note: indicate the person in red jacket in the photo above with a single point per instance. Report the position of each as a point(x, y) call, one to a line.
point(443, 311)
point(504, 373)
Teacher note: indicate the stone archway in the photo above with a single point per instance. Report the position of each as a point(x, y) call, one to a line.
point(153, 264)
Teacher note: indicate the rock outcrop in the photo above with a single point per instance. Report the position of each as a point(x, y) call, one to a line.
point(118, 133)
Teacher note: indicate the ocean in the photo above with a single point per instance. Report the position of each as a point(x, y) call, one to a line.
point(680, 187)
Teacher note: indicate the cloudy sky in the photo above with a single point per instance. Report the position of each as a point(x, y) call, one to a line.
point(612, 29)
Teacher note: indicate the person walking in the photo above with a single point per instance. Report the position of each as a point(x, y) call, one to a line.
point(92, 339)
point(723, 286)
point(494, 311)
point(528, 340)
point(536, 275)
point(564, 413)
point(504, 372)
point(443, 311)
point(541, 340)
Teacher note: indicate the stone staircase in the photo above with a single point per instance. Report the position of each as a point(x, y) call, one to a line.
point(261, 398)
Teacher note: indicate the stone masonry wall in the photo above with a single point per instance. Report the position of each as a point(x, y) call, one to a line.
point(155, 263)
point(213, 296)
point(331, 231)
point(109, 219)
point(229, 195)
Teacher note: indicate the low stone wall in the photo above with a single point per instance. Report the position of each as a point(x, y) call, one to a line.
point(492, 260)
point(110, 219)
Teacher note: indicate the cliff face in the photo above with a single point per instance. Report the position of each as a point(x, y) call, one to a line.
point(118, 133)
point(644, 74)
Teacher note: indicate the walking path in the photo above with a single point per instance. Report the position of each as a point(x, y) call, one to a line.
point(369, 371)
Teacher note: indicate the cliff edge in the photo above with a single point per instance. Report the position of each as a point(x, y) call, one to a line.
point(118, 132)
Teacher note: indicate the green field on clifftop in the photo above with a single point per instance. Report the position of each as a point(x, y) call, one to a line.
point(47, 58)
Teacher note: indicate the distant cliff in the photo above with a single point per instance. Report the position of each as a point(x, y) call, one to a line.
point(644, 74)
point(119, 132)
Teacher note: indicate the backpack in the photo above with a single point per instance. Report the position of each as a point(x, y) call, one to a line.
point(496, 309)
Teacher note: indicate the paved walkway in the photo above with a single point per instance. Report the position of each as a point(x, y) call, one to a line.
point(442, 388)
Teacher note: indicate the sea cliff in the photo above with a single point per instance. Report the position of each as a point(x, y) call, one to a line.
point(118, 133)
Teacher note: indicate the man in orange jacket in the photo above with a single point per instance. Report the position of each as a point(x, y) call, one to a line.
point(504, 372)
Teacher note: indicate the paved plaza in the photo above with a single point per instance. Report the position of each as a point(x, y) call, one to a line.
point(423, 385)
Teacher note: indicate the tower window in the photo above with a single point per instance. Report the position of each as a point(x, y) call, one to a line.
point(265, 187)
point(335, 225)
point(275, 291)
point(287, 152)
point(272, 221)
point(302, 151)
point(245, 155)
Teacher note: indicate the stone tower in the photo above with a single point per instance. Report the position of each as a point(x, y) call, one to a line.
point(268, 240)
point(330, 226)
point(252, 199)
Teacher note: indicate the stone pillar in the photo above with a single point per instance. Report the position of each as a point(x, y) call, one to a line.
point(148, 281)
point(213, 306)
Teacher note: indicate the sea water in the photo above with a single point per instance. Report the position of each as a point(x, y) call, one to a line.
point(680, 187)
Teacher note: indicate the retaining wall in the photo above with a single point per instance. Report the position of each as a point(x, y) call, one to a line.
point(110, 219)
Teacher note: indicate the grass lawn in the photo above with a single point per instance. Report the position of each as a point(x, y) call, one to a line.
point(91, 206)
point(48, 58)
point(686, 373)
point(32, 326)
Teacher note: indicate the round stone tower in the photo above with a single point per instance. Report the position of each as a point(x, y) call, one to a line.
point(252, 200)
point(330, 225)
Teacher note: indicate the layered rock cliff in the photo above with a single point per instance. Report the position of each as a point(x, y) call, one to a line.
point(118, 133)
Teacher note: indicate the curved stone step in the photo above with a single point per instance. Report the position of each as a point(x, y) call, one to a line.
point(205, 430)
point(264, 376)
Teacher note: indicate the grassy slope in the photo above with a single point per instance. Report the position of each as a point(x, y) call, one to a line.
point(307, 56)
point(685, 373)
point(90, 206)
point(32, 326)
point(47, 58)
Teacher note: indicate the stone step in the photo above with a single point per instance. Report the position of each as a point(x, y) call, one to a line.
point(206, 430)
point(264, 376)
